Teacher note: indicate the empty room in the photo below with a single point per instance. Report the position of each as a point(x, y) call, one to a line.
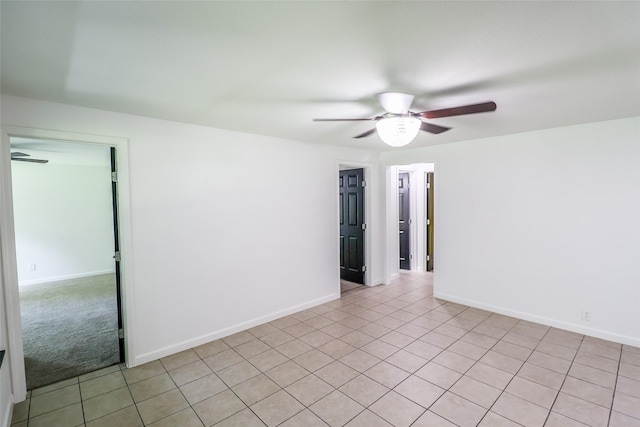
point(319, 213)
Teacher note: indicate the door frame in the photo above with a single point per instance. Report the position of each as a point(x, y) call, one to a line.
point(349, 230)
point(8, 245)
point(429, 204)
point(367, 169)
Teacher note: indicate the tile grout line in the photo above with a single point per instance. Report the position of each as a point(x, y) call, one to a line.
point(137, 409)
point(583, 340)
point(177, 388)
point(335, 360)
point(263, 373)
point(478, 361)
point(84, 418)
point(442, 349)
point(563, 380)
point(615, 385)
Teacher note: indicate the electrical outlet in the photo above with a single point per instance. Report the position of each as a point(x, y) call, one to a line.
point(32, 266)
point(586, 315)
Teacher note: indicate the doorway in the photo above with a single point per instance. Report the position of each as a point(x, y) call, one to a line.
point(404, 220)
point(352, 226)
point(429, 220)
point(65, 216)
point(410, 219)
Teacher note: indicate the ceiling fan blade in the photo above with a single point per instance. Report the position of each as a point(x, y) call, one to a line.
point(367, 133)
point(19, 154)
point(20, 159)
point(458, 111)
point(395, 102)
point(343, 120)
point(430, 127)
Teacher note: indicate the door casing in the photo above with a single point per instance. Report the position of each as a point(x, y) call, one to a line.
point(429, 196)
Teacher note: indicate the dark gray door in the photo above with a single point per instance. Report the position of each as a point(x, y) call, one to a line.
point(351, 225)
point(404, 221)
point(116, 241)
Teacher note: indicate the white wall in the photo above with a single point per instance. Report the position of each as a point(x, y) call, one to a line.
point(228, 229)
point(542, 225)
point(63, 220)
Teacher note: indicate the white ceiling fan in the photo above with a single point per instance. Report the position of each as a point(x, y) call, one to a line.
point(398, 126)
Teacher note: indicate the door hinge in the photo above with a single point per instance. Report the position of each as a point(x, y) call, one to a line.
point(410, 221)
point(364, 226)
point(364, 183)
point(428, 222)
point(117, 256)
point(410, 256)
point(428, 185)
point(114, 176)
point(364, 268)
point(428, 258)
point(121, 333)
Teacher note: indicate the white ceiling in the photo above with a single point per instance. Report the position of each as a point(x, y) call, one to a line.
point(270, 67)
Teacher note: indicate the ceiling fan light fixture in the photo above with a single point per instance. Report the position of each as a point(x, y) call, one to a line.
point(398, 131)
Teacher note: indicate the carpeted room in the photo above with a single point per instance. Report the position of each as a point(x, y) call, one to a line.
point(65, 259)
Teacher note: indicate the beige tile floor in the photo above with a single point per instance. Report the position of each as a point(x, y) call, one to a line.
point(384, 356)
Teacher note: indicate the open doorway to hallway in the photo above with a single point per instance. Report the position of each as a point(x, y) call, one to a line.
point(68, 284)
point(410, 213)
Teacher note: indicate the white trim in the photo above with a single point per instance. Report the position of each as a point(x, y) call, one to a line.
point(12, 297)
point(67, 277)
point(8, 414)
point(204, 339)
point(579, 329)
point(9, 269)
point(368, 216)
point(392, 208)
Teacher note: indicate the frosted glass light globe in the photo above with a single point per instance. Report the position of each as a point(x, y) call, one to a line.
point(398, 131)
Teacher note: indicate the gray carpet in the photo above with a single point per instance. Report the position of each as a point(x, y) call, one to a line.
point(69, 328)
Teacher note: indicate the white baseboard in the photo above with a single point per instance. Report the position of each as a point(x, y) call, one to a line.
point(68, 277)
point(185, 345)
point(392, 277)
point(579, 329)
